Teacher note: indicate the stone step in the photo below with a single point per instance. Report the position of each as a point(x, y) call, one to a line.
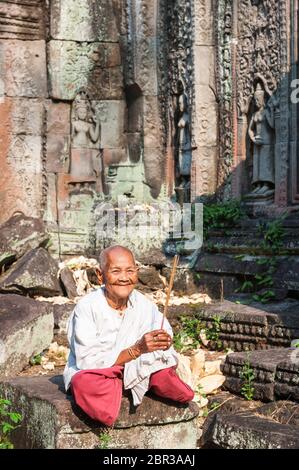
point(285, 275)
point(255, 429)
point(248, 243)
point(245, 327)
point(276, 373)
point(233, 269)
point(51, 420)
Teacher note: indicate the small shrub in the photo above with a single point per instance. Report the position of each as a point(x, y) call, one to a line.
point(214, 332)
point(221, 215)
point(36, 360)
point(248, 376)
point(104, 439)
point(188, 336)
point(8, 422)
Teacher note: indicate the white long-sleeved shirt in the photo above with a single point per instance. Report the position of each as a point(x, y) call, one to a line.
point(97, 335)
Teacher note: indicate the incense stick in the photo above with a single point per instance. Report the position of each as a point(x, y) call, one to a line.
point(173, 270)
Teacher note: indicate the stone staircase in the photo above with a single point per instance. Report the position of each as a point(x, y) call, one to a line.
point(230, 256)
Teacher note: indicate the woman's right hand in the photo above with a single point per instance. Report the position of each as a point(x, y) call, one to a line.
point(154, 341)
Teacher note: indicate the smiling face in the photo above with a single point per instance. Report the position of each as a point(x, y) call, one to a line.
point(120, 274)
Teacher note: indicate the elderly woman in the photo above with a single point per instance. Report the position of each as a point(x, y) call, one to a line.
point(116, 340)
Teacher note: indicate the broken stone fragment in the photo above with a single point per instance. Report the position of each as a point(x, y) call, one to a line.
point(18, 235)
point(197, 363)
point(149, 276)
point(33, 274)
point(261, 428)
point(276, 373)
point(26, 329)
point(184, 369)
point(211, 383)
point(212, 367)
point(69, 283)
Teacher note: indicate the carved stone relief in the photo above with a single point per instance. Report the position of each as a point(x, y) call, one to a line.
point(203, 22)
point(21, 178)
point(223, 35)
point(258, 50)
point(23, 68)
point(252, 46)
point(261, 131)
point(141, 74)
point(93, 66)
point(86, 20)
point(22, 19)
point(176, 78)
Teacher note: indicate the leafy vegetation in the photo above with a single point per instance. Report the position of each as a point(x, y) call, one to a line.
point(248, 376)
point(262, 284)
point(214, 332)
point(104, 439)
point(273, 233)
point(36, 360)
point(221, 215)
point(189, 335)
point(9, 421)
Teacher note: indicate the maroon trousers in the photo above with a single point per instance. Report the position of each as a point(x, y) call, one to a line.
point(99, 391)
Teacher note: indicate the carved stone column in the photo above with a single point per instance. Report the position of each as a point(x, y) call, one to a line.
point(205, 109)
point(23, 88)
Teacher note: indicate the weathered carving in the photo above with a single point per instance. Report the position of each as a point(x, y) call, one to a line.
point(281, 193)
point(176, 66)
point(22, 19)
point(203, 22)
point(94, 66)
point(85, 20)
point(86, 163)
point(255, 49)
point(144, 123)
point(183, 149)
point(258, 51)
point(261, 133)
point(223, 34)
point(26, 75)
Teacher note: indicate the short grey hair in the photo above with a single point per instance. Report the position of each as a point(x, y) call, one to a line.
point(105, 253)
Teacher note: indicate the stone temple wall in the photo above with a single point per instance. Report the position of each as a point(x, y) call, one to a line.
point(81, 119)
point(257, 61)
point(148, 100)
point(24, 84)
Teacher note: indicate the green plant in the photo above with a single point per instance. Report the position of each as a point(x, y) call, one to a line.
point(221, 215)
point(188, 336)
point(214, 332)
point(36, 360)
point(273, 233)
point(8, 422)
point(247, 285)
point(104, 439)
point(198, 391)
point(248, 376)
